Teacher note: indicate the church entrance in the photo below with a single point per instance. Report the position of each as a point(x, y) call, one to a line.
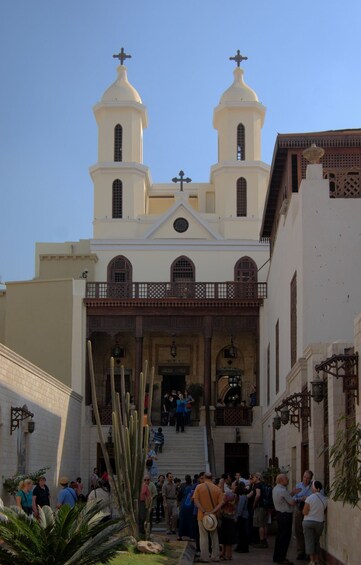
point(173, 379)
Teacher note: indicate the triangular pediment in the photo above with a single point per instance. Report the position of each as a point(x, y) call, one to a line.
point(181, 221)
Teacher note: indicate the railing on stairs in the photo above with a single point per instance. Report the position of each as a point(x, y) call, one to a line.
point(210, 445)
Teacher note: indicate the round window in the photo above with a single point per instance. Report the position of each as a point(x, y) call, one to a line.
point(180, 225)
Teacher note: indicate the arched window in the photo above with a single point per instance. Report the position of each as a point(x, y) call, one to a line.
point(241, 197)
point(118, 143)
point(117, 199)
point(241, 145)
point(182, 270)
point(245, 270)
point(120, 270)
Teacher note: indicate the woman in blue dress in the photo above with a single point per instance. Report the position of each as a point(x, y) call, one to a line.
point(186, 507)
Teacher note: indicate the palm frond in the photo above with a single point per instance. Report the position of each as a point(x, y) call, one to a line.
point(71, 536)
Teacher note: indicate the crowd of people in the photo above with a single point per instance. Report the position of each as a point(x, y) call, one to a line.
point(30, 497)
point(233, 513)
point(177, 409)
point(221, 515)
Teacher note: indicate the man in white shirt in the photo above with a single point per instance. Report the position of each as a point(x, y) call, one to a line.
point(284, 504)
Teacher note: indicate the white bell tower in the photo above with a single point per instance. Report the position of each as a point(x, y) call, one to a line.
point(240, 177)
point(120, 178)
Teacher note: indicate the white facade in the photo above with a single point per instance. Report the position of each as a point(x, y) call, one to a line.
point(318, 238)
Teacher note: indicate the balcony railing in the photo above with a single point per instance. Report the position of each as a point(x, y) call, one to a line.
point(233, 416)
point(105, 413)
point(187, 290)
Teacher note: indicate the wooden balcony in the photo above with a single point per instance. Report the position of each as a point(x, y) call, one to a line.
point(233, 416)
point(183, 291)
point(105, 413)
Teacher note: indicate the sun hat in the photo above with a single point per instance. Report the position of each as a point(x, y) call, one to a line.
point(209, 522)
point(64, 480)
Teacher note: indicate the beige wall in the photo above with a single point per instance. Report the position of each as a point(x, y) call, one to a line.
point(64, 260)
point(39, 318)
point(55, 442)
point(2, 315)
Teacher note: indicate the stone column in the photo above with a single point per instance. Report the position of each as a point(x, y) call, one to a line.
point(207, 329)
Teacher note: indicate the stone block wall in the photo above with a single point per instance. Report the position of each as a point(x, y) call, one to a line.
point(55, 442)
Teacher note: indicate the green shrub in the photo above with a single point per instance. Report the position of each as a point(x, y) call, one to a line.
point(11, 485)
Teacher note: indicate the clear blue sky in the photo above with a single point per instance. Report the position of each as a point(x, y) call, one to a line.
point(303, 62)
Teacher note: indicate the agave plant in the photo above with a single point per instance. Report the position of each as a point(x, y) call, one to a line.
point(71, 536)
point(131, 438)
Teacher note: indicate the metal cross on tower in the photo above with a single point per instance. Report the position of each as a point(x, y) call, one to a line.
point(238, 58)
point(122, 56)
point(181, 179)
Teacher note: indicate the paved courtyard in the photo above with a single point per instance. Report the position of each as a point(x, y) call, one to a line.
point(254, 557)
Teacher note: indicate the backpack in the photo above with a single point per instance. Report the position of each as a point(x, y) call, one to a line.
point(267, 496)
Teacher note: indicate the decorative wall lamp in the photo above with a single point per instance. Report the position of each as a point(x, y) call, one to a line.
point(293, 409)
point(118, 352)
point(230, 351)
point(277, 422)
point(17, 415)
point(285, 415)
point(344, 366)
point(233, 380)
point(319, 389)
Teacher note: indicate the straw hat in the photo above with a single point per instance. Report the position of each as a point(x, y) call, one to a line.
point(210, 522)
point(64, 481)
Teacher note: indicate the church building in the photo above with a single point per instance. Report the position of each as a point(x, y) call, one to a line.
point(174, 275)
point(244, 288)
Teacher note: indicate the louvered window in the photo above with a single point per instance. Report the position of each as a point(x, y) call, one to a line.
point(117, 204)
point(277, 356)
point(241, 197)
point(245, 270)
point(120, 270)
point(293, 319)
point(182, 270)
point(241, 146)
point(118, 143)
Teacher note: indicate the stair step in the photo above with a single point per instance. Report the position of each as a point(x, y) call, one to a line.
point(183, 453)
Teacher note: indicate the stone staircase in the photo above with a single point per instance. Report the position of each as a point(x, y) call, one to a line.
point(183, 453)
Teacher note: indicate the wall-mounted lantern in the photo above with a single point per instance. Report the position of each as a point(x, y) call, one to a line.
point(17, 415)
point(277, 422)
point(118, 352)
point(285, 415)
point(319, 389)
point(294, 408)
point(233, 380)
point(343, 366)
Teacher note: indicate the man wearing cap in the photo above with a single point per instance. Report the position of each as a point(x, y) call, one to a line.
point(208, 498)
point(67, 495)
